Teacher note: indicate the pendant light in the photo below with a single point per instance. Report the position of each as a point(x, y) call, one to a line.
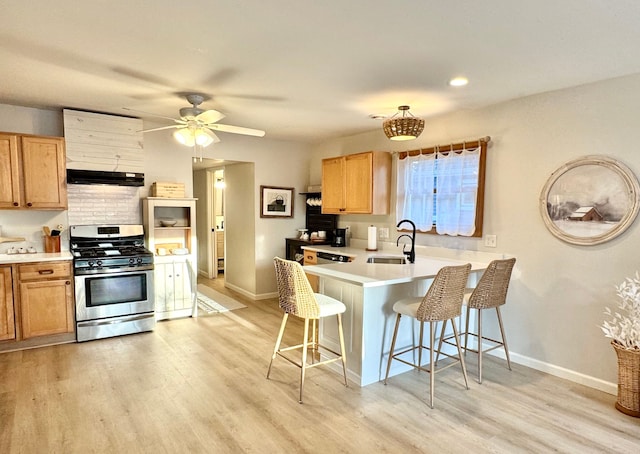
point(405, 127)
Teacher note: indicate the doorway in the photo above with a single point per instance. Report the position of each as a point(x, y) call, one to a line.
point(239, 211)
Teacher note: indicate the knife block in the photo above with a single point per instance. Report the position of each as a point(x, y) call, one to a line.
point(51, 243)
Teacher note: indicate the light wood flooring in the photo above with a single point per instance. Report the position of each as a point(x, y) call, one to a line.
point(199, 386)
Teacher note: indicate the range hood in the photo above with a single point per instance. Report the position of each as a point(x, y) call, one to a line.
point(76, 176)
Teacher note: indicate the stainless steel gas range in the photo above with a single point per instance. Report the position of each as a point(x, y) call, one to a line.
point(113, 274)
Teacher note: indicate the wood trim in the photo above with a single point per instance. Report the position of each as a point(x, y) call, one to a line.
point(482, 142)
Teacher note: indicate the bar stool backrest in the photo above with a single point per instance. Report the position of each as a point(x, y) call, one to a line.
point(491, 290)
point(295, 294)
point(443, 300)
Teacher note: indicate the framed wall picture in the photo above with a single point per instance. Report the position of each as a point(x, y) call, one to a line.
point(276, 202)
point(590, 200)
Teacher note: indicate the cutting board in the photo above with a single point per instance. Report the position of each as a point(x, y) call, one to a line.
point(7, 239)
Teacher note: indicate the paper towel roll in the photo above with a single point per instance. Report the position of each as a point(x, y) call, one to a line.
point(372, 236)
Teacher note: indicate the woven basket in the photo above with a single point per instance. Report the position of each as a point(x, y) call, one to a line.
point(628, 380)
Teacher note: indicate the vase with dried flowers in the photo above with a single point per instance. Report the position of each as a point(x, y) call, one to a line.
point(623, 327)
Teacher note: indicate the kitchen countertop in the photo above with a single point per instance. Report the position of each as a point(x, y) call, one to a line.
point(10, 259)
point(360, 272)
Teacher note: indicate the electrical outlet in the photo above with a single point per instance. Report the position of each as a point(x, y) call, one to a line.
point(490, 240)
point(348, 230)
point(383, 233)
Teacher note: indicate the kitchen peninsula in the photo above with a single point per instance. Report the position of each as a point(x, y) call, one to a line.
point(369, 291)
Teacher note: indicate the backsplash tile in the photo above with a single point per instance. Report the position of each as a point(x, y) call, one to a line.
point(102, 204)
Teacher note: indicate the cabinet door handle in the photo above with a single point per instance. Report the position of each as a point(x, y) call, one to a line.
point(45, 271)
point(15, 204)
point(68, 282)
point(29, 204)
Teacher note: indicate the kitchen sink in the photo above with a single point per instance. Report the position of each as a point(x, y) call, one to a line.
point(392, 260)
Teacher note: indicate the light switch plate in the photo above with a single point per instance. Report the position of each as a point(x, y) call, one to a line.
point(383, 233)
point(490, 240)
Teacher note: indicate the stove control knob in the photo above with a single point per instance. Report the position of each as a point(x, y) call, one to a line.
point(132, 261)
point(139, 260)
point(99, 263)
point(90, 263)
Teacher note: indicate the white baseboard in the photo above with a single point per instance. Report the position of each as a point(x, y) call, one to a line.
point(557, 371)
point(252, 296)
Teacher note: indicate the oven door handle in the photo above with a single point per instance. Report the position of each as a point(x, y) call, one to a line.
point(115, 322)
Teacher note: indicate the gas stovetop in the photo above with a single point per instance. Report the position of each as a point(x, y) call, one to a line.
point(109, 248)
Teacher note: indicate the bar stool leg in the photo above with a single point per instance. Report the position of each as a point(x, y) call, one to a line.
point(464, 367)
point(393, 346)
point(466, 329)
point(432, 370)
point(504, 339)
point(342, 355)
point(305, 346)
point(278, 341)
point(444, 325)
point(420, 344)
point(479, 345)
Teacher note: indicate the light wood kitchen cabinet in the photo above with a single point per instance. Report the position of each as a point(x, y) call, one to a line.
point(311, 258)
point(356, 184)
point(32, 172)
point(175, 248)
point(46, 299)
point(7, 324)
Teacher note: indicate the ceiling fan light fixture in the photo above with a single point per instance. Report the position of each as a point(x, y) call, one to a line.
point(405, 127)
point(203, 137)
point(185, 137)
point(194, 136)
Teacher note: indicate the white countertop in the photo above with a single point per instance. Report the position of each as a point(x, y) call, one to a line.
point(360, 272)
point(9, 259)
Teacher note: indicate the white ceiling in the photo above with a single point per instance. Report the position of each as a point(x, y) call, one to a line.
point(302, 69)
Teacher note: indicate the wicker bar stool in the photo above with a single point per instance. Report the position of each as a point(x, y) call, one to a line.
point(296, 298)
point(491, 292)
point(441, 303)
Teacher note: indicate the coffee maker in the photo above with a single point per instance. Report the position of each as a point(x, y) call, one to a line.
point(339, 238)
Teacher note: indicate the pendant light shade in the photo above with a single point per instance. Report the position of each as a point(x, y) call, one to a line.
point(405, 127)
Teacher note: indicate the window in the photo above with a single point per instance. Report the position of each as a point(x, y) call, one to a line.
point(442, 189)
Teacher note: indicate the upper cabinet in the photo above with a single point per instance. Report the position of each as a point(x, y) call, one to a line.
point(357, 183)
point(32, 172)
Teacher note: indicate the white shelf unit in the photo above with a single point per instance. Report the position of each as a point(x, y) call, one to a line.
point(174, 277)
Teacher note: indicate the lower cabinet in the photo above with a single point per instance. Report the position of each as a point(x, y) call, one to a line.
point(173, 288)
point(46, 299)
point(7, 323)
point(36, 304)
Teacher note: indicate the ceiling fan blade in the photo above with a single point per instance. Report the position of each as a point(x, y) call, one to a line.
point(161, 128)
point(237, 130)
point(152, 114)
point(210, 116)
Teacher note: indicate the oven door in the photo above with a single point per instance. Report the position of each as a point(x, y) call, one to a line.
point(113, 294)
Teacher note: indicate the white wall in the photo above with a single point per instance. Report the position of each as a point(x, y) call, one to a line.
point(200, 192)
point(559, 291)
point(277, 163)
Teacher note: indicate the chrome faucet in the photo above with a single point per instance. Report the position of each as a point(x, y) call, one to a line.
point(411, 255)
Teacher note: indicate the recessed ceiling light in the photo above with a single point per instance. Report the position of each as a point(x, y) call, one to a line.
point(458, 81)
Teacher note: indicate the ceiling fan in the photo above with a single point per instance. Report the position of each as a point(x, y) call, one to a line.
point(196, 126)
